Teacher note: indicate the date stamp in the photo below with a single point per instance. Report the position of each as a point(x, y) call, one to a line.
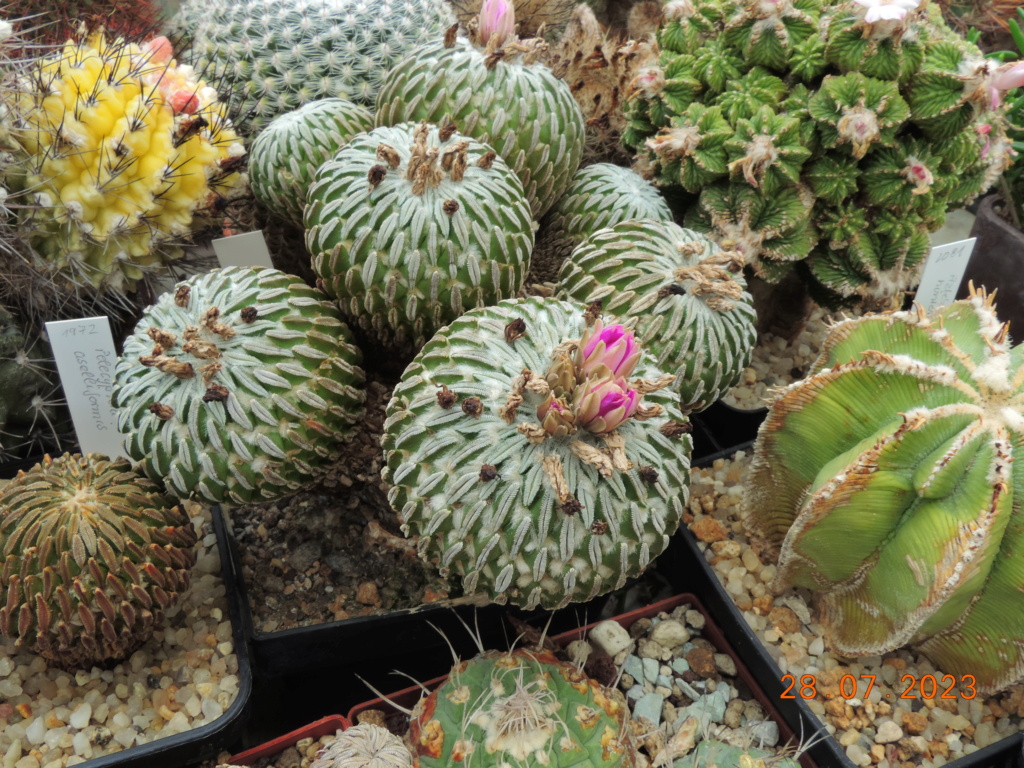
point(925, 687)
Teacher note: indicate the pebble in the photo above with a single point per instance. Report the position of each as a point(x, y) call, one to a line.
point(610, 637)
point(649, 706)
point(669, 633)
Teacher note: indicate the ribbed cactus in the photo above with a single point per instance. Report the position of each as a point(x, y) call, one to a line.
point(599, 196)
point(287, 153)
point(276, 55)
point(495, 91)
point(527, 461)
point(93, 554)
point(411, 226)
point(364, 746)
point(685, 298)
point(236, 386)
point(890, 482)
point(522, 708)
point(833, 135)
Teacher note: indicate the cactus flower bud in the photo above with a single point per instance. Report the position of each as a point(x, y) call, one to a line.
point(605, 405)
point(556, 417)
point(613, 347)
point(497, 19)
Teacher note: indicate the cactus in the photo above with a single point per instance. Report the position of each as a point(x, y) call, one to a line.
point(522, 708)
point(364, 746)
point(887, 481)
point(287, 153)
point(524, 459)
point(686, 300)
point(599, 196)
point(236, 385)
point(411, 226)
point(276, 56)
point(495, 91)
point(94, 553)
point(826, 137)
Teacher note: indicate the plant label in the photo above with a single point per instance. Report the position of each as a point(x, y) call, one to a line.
point(85, 356)
point(943, 272)
point(245, 250)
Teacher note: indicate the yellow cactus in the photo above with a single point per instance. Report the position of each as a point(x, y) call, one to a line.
point(118, 147)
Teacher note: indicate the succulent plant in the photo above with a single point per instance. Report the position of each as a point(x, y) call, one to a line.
point(275, 56)
point(235, 386)
point(887, 481)
point(685, 298)
point(829, 135)
point(94, 553)
point(493, 88)
point(287, 153)
point(599, 196)
point(411, 226)
point(364, 746)
point(525, 459)
point(522, 708)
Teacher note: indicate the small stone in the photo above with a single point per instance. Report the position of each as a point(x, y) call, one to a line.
point(80, 717)
point(633, 667)
point(765, 733)
point(725, 664)
point(858, 755)
point(958, 722)
point(702, 661)
point(669, 633)
point(636, 692)
point(708, 529)
point(367, 593)
point(679, 666)
point(649, 649)
point(784, 620)
point(651, 670)
point(579, 651)
point(888, 732)
point(649, 706)
point(610, 637)
point(914, 723)
point(695, 619)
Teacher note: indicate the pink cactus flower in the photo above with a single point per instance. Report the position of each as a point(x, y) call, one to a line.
point(497, 19)
point(606, 406)
point(160, 50)
point(887, 10)
point(1007, 77)
point(613, 347)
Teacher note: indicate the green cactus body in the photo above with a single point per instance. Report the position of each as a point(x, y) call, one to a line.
point(235, 386)
point(686, 297)
point(534, 514)
point(93, 554)
point(889, 481)
point(287, 153)
point(522, 708)
point(278, 55)
point(411, 226)
point(501, 98)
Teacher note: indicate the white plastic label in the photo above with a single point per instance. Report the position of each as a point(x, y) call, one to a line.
point(245, 250)
point(85, 356)
point(943, 272)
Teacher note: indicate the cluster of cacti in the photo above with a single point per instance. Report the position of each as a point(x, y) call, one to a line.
point(275, 56)
point(493, 88)
point(411, 226)
point(287, 153)
point(889, 481)
point(112, 149)
point(685, 298)
point(528, 462)
point(523, 708)
point(830, 135)
point(364, 746)
point(93, 554)
point(237, 386)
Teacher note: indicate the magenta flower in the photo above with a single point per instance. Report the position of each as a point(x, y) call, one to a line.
point(606, 405)
point(613, 347)
point(497, 18)
point(1006, 78)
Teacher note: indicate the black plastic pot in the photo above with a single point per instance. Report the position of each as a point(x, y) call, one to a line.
point(10, 469)
point(722, 429)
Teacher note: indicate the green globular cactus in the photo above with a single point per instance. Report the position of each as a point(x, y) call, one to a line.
point(236, 386)
point(599, 196)
point(495, 91)
point(287, 153)
point(826, 137)
point(364, 746)
point(522, 708)
point(275, 56)
point(411, 226)
point(684, 297)
point(526, 460)
point(889, 481)
point(93, 554)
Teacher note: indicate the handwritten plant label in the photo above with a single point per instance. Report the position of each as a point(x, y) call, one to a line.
point(85, 356)
point(943, 272)
point(245, 250)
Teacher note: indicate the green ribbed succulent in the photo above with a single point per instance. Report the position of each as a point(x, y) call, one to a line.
point(236, 386)
point(527, 462)
point(287, 153)
point(276, 55)
point(890, 481)
point(599, 196)
point(523, 708)
point(820, 135)
point(493, 88)
point(94, 553)
point(685, 298)
point(411, 226)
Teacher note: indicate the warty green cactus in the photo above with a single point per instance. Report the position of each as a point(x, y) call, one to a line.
point(826, 136)
point(411, 226)
point(526, 460)
point(93, 554)
point(889, 482)
point(235, 386)
point(522, 708)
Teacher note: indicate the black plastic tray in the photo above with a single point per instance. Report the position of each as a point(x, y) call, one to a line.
point(10, 469)
point(721, 429)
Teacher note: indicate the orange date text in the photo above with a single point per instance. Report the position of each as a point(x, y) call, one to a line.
point(909, 687)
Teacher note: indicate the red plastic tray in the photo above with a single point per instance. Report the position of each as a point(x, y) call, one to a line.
point(322, 727)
